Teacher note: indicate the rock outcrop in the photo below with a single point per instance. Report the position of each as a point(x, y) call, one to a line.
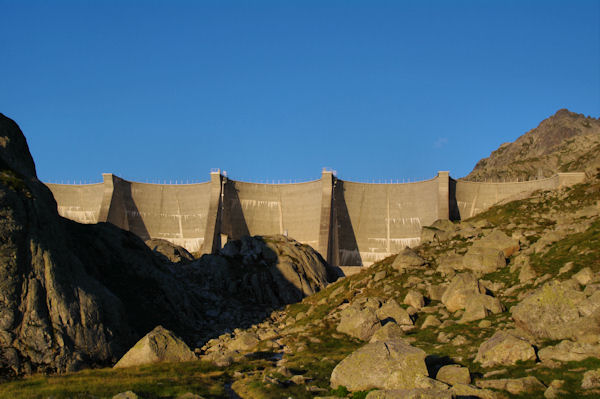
point(564, 142)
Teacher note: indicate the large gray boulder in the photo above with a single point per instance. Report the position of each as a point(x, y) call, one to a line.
point(499, 241)
point(552, 312)
point(408, 259)
point(392, 311)
point(159, 345)
point(383, 365)
point(462, 286)
point(359, 323)
point(569, 351)
point(479, 306)
point(483, 260)
point(415, 393)
point(504, 348)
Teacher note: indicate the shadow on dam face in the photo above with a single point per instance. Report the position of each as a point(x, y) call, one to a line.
point(234, 223)
point(125, 213)
point(347, 246)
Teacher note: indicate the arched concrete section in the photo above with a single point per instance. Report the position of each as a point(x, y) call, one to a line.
point(78, 202)
point(350, 224)
point(176, 213)
point(377, 220)
point(255, 209)
point(473, 198)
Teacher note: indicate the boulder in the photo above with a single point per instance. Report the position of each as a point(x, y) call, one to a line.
point(126, 395)
point(584, 276)
point(461, 287)
point(479, 306)
point(483, 260)
point(392, 311)
point(159, 345)
point(465, 391)
point(515, 386)
point(436, 291)
point(169, 252)
point(244, 341)
point(382, 365)
point(551, 312)
point(589, 305)
point(408, 259)
point(415, 299)
point(416, 393)
point(591, 379)
point(389, 332)
point(504, 348)
point(431, 321)
point(454, 374)
point(569, 351)
point(450, 263)
point(358, 323)
point(499, 241)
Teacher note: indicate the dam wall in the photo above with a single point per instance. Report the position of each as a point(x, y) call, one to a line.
point(377, 220)
point(475, 197)
point(79, 202)
point(266, 209)
point(348, 223)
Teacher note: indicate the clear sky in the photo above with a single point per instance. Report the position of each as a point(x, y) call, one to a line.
point(166, 90)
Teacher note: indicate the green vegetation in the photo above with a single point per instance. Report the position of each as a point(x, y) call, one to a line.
point(166, 380)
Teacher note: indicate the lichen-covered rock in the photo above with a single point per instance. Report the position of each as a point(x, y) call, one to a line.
point(383, 365)
point(392, 311)
point(591, 379)
point(454, 374)
point(359, 323)
point(569, 351)
point(504, 348)
point(461, 287)
point(408, 259)
point(415, 299)
point(479, 306)
point(159, 345)
point(243, 341)
point(515, 386)
point(551, 312)
point(415, 393)
point(389, 332)
point(483, 260)
point(498, 240)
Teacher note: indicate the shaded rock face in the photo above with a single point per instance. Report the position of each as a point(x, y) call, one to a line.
point(70, 295)
point(565, 142)
point(272, 270)
point(170, 252)
point(159, 345)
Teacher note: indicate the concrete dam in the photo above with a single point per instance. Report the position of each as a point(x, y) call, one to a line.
point(349, 223)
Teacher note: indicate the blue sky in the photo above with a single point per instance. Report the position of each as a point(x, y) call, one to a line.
point(383, 90)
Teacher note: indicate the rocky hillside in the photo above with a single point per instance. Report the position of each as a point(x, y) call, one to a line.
point(75, 296)
point(565, 142)
point(506, 304)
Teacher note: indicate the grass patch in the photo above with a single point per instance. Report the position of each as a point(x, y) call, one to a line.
point(165, 380)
